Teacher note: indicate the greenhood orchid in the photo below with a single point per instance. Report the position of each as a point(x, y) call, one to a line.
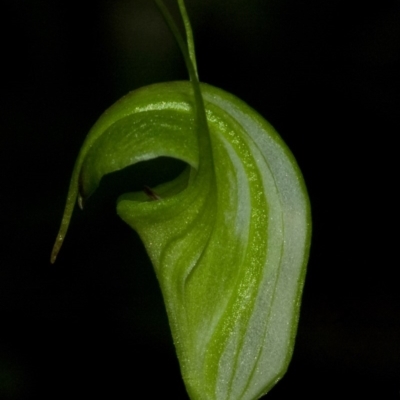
point(228, 238)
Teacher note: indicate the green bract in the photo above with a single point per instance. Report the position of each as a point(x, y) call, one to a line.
point(228, 238)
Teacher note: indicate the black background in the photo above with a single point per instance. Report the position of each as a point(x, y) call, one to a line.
point(324, 73)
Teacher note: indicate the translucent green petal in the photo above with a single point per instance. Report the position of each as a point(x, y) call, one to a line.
point(229, 241)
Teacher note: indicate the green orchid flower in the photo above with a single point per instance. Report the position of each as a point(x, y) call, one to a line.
point(228, 238)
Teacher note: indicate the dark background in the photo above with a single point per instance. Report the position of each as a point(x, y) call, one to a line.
point(324, 73)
